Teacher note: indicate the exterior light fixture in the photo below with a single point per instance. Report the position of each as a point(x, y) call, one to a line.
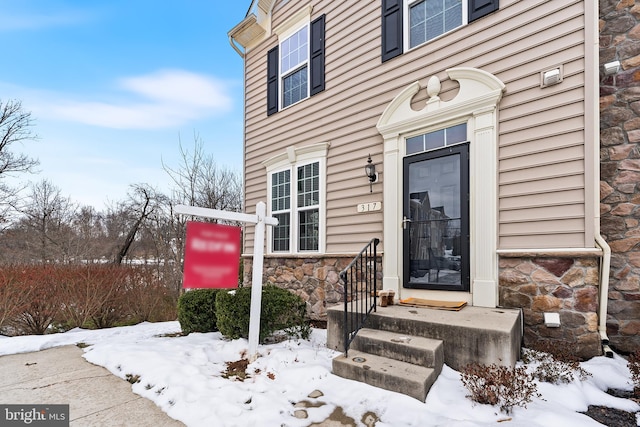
point(370, 170)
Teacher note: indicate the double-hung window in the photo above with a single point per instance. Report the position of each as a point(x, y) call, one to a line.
point(296, 198)
point(281, 210)
point(407, 24)
point(428, 19)
point(308, 206)
point(294, 56)
point(295, 67)
point(295, 202)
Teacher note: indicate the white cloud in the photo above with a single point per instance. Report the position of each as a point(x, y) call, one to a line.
point(166, 98)
point(181, 87)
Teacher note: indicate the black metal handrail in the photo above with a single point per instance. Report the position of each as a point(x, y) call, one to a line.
point(359, 280)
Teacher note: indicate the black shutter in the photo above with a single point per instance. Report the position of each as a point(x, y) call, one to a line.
point(272, 81)
point(317, 55)
point(480, 8)
point(391, 29)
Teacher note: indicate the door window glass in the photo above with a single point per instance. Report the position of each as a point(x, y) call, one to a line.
point(437, 139)
point(436, 209)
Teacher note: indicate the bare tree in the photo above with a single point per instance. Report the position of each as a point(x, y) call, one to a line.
point(15, 128)
point(88, 232)
point(48, 215)
point(143, 202)
point(199, 181)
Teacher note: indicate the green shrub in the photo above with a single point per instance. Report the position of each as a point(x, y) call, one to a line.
point(197, 311)
point(281, 310)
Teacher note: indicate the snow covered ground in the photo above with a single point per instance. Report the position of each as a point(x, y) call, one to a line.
point(184, 377)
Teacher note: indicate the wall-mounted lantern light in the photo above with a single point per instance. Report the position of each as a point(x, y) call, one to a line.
point(370, 170)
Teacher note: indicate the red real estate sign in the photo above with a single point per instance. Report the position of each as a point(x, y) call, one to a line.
point(212, 256)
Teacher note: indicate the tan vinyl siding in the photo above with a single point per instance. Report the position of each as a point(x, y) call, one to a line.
point(571, 182)
point(567, 234)
point(541, 140)
point(541, 147)
point(551, 198)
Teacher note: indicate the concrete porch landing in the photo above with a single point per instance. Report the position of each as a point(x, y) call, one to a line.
point(473, 334)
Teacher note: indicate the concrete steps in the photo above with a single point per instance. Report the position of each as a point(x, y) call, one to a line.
point(389, 374)
point(403, 348)
point(397, 362)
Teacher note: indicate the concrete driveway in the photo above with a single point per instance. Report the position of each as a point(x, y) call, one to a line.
point(61, 375)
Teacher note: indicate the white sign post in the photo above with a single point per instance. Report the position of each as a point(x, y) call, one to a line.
point(260, 219)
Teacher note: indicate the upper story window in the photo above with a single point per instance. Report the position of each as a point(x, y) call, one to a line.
point(294, 54)
point(429, 19)
point(295, 68)
point(409, 23)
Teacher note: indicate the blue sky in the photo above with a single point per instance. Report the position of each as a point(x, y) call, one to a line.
point(113, 85)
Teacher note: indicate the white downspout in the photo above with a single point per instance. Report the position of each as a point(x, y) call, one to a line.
point(592, 130)
point(604, 289)
point(232, 42)
point(592, 83)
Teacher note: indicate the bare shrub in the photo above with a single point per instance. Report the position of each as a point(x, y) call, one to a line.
point(35, 299)
point(499, 385)
point(43, 305)
point(146, 296)
point(13, 296)
point(117, 294)
point(555, 363)
point(91, 296)
point(78, 301)
point(110, 286)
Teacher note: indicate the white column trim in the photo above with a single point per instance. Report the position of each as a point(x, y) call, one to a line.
point(392, 198)
point(484, 210)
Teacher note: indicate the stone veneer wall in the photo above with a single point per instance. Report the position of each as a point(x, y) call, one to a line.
point(568, 286)
point(315, 279)
point(620, 167)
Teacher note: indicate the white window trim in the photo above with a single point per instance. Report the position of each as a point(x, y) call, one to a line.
point(297, 209)
point(271, 212)
point(477, 103)
point(282, 75)
point(291, 159)
point(405, 23)
point(296, 22)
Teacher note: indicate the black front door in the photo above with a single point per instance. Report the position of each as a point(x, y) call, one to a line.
point(436, 219)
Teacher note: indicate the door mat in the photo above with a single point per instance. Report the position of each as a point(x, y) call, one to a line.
point(435, 304)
